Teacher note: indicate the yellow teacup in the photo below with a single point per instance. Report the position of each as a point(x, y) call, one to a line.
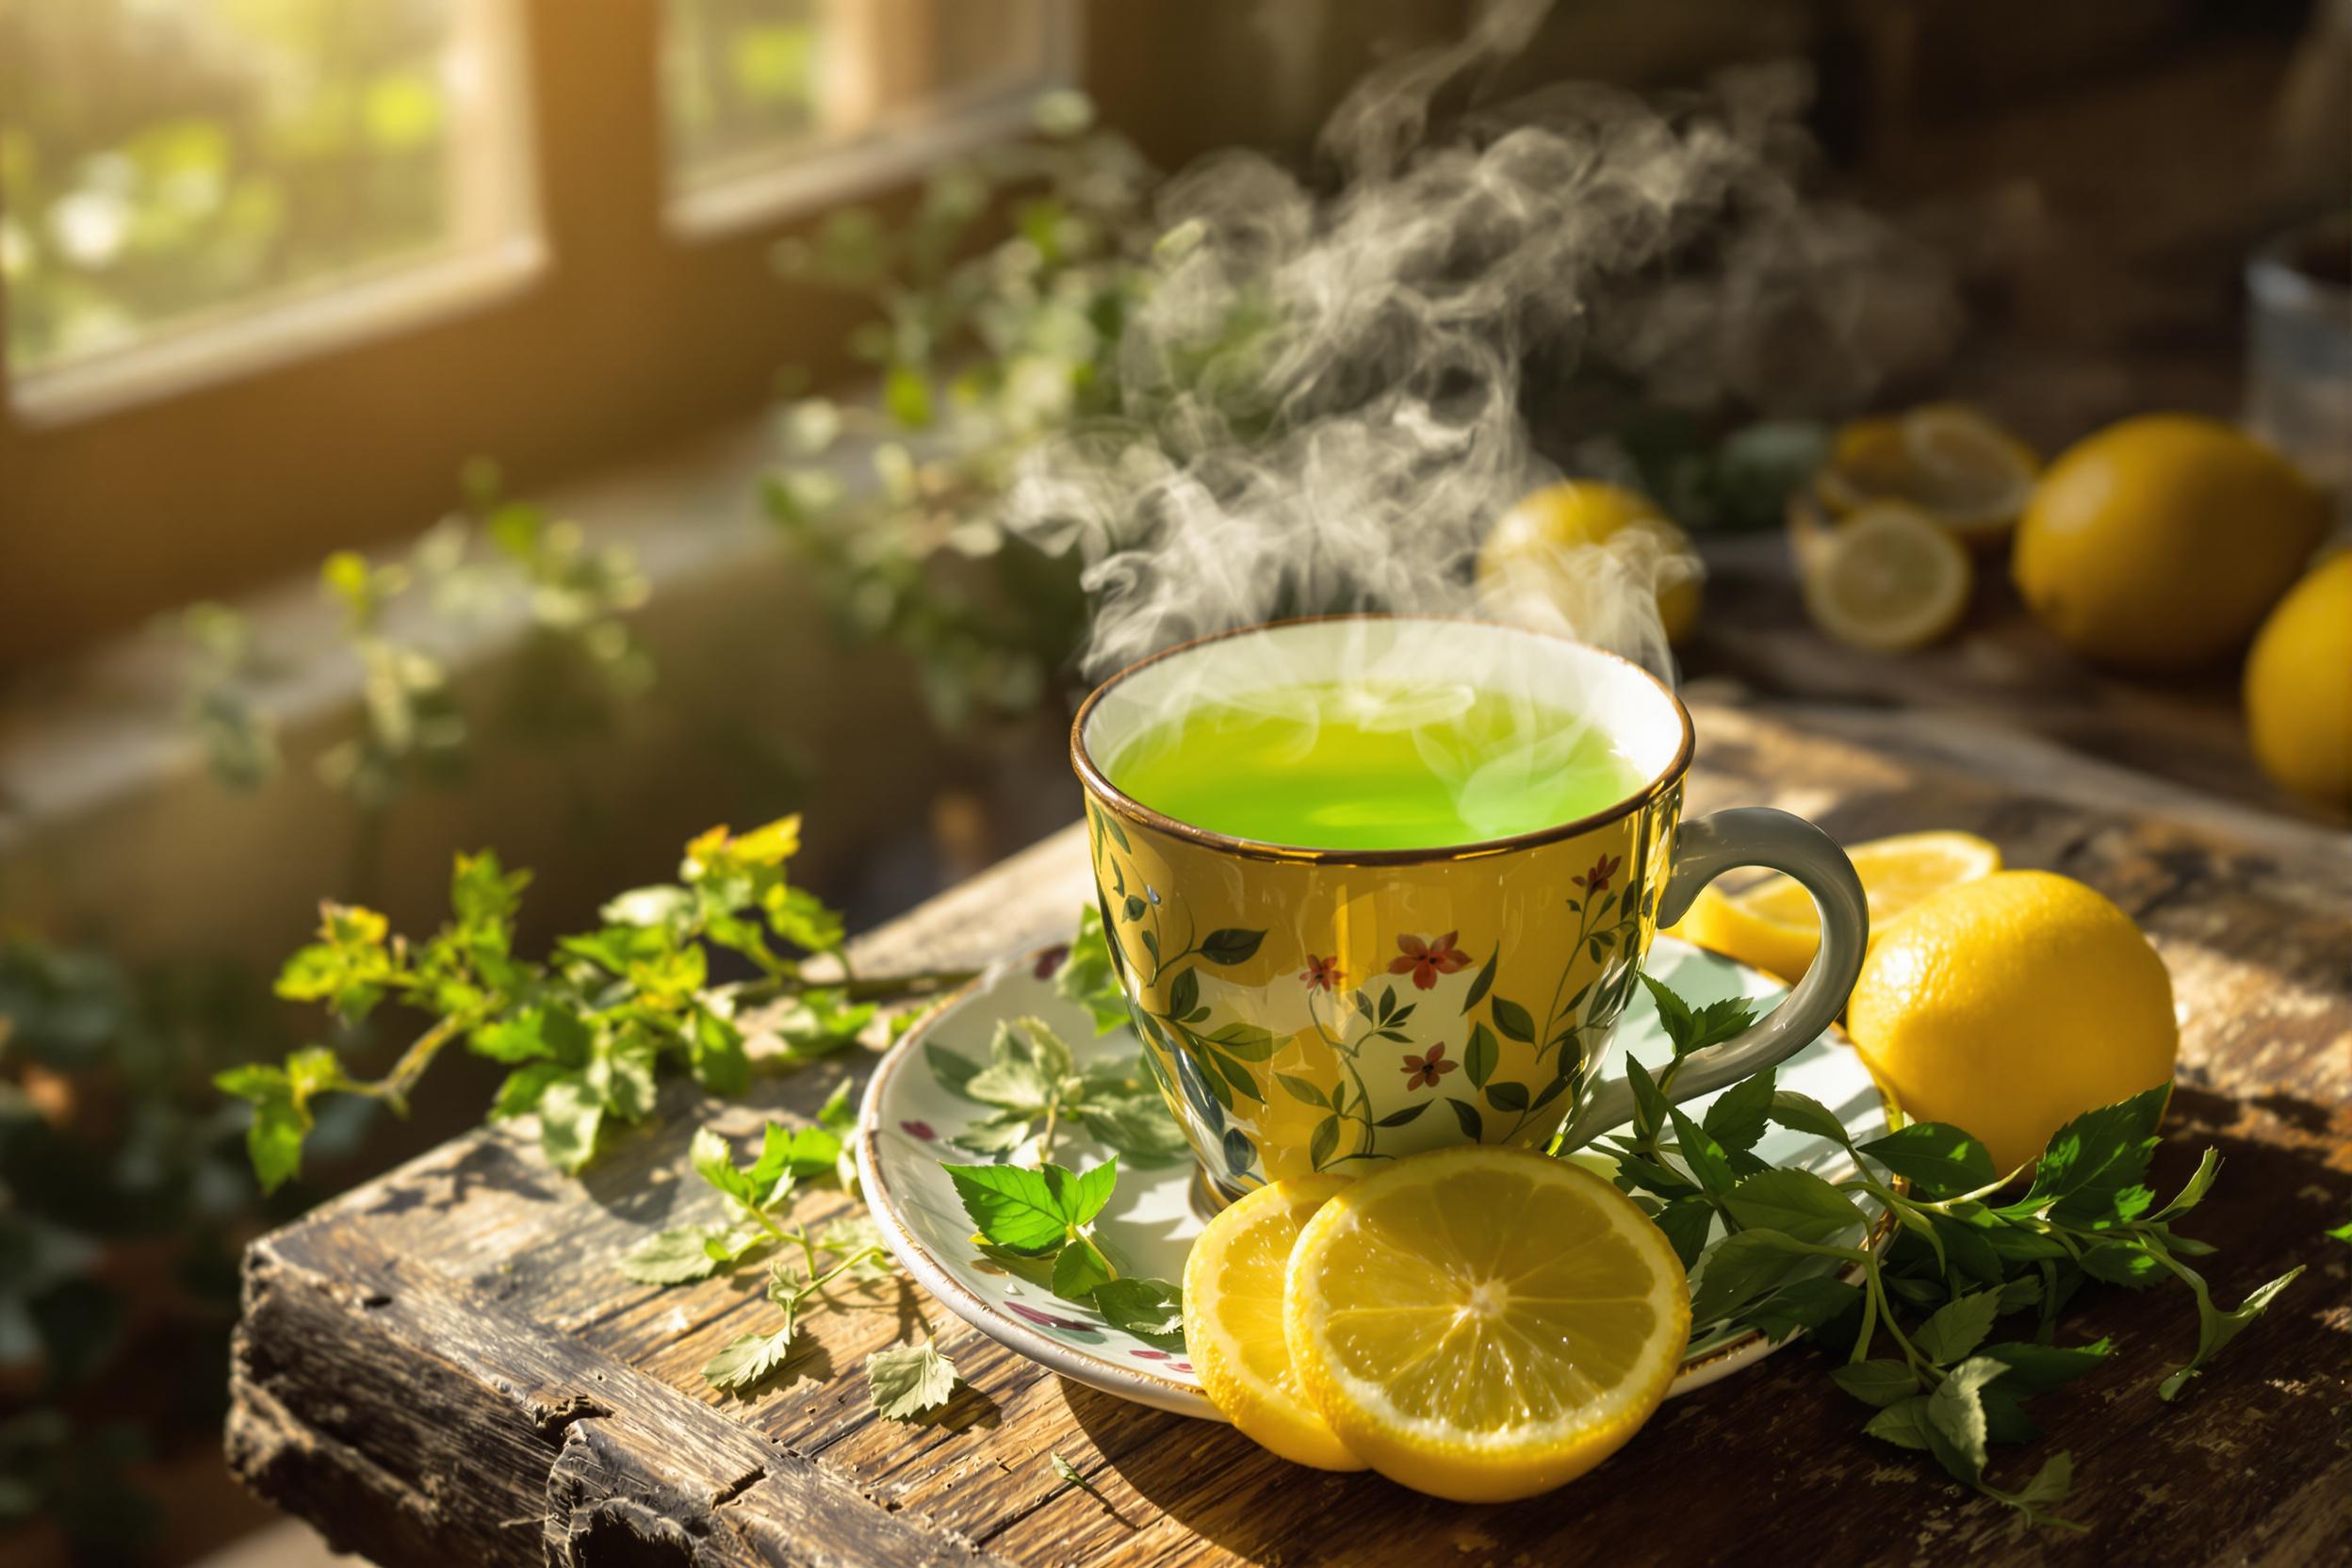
point(1309, 1009)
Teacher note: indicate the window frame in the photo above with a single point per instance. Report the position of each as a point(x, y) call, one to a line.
point(225, 455)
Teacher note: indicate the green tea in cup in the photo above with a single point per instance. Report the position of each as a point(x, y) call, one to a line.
point(1375, 764)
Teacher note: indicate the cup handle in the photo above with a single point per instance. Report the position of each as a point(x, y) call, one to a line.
point(1705, 849)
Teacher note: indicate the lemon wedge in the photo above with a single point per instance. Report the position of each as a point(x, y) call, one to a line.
point(1233, 1320)
point(1484, 1323)
point(1888, 580)
point(1773, 925)
point(1963, 470)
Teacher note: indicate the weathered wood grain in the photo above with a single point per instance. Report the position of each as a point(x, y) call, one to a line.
point(445, 1366)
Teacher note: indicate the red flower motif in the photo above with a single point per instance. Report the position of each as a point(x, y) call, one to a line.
point(1423, 1071)
point(1322, 973)
point(918, 1130)
point(1596, 880)
point(1425, 961)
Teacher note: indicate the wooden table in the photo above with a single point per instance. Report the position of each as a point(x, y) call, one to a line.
point(444, 1366)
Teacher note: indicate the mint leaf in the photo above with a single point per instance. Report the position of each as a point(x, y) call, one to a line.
point(1022, 1209)
point(1686, 1222)
point(838, 1113)
point(1801, 1305)
point(907, 1379)
point(2193, 1192)
point(713, 1160)
point(1939, 1161)
point(2216, 1329)
point(1740, 1266)
point(1802, 1113)
point(1957, 1326)
point(1079, 1268)
point(1904, 1425)
point(1702, 1155)
point(949, 1068)
point(2039, 1368)
point(1796, 1202)
point(1153, 1309)
point(1090, 975)
point(2093, 1157)
point(1136, 1125)
point(750, 1360)
point(2121, 1262)
point(1694, 1029)
point(1649, 1104)
point(789, 1152)
point(1091, 1190)
point(1737, 1117)
point(1876, 1383)
point(1956, 1417)
point(570, 1118)
point(673, 1256)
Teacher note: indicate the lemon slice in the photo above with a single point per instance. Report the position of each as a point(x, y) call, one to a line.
point(1950, 462)
point(1234, 1321)
point(1888, 580)
point(1773, 925)
point(1484, 1323)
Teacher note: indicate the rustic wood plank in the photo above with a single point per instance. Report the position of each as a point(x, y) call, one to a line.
point(446, 1365)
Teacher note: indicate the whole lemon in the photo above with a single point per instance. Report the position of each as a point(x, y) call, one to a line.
point(2158, 542)
point(2011, 1005)
point(1547, 553)
point(2299, 687)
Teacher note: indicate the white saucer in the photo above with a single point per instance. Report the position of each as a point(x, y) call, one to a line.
point(911, 1116)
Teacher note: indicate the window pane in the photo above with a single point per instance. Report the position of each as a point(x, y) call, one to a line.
point(163, 162)
point(752, 83)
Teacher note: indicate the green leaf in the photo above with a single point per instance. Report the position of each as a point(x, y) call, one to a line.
point(1230, 945)
point(1904, 1425)
point(1012, 1207)
point(1736, 1117)
point(1957, 1326)
point(954, 1072)
point(665, 903)
point(1183, 993)
point(1245, 1041)
point(2121, 1262)
point(1956, 1417)
point(1508, 1096)
point(1647, 1176)
point(1479, 1056)
point(673, 1256)
point(1481, 985)
point(1807, 1304)
point(906, 397)
point(2093, 1157)
point(713, 1159)
point(1398, 1119)
point(1802, 1113)
point(1740, 1266)
point(1877, 1382)
point(2051, 1484)
point(1939, 1161)
point(1136, 1125)
point(1513, 1020)
point(749, 1359)
point(1302, 1090)
point(1466, 1116)
point(1649, 1104)
point(1701, 1153)
point(1796, 1202)
point(513, 1041)
point(2216, 1329)
point(793, 1152)
point(1152, 1308)
point(1000, 1133)
point(719, 1062)
point(904, 1381)
point(1079, 1268)
point(570, 1118)
point(1323, 1142)
point(518, 1093)
point(2039, 1368)
point(838, 1113)
point(1686, 1222)
point(1690, 1029)
point(2193, 1192)
point(273, 1142)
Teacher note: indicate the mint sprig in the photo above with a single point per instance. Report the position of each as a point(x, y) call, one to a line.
point(1960, 1262)
point(1035, 1091)
point(585, 1032)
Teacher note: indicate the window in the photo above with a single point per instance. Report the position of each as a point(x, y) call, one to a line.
point(191, 174)
point(754, 88)
point(271, 269)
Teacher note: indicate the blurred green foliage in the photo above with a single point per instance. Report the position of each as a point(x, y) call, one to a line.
point(160, 162)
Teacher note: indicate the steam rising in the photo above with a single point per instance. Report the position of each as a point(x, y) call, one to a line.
point(1326, 393)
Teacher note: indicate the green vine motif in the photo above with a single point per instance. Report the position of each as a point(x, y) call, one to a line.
point(1384, 1019)
point(1568, 1018)
point(1211, 1066)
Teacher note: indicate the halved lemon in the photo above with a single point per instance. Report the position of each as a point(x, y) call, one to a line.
point(1888, 580)
point(1484, 1323)
point(1233, 1320)
point(1773, 925)
point(1949, 460)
